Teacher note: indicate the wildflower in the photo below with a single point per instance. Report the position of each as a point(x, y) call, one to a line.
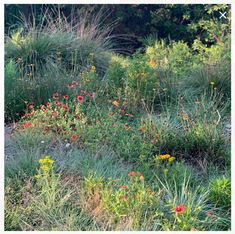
point(165, 171)
point(42, 142)
point(74, 83)
point(66, 108)
point(54, 114)
point(209, 214)
point(152, 63)
point(70, 86)
point(179, 209)
point(57, 103)
point(212, 83)
point(124, 187)
point(43, 108)
point(74, 137)
point(93, 68)
point(141, 177)
point(56, 96)
point(45, 168)
point(26, 125)
point(31, 106)
point(164, 156)
point(185, 117)
point(48, 104)
point(116, 103)
point(26, 114)
point(171, 159)
point(77, 117)
point(80, 98)
point(132, 173)
point(65, 96)
point(139, 173)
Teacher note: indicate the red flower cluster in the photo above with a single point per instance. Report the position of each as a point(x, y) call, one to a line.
point(180, 208)
point(73, 84)
point(87, 93)
point(132, 173)
point(26, 125)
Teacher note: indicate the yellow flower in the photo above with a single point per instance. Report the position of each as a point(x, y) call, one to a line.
point(165, 156)
point(212, 83)
point(45, 168)
point(93, 68)
point(185, 117)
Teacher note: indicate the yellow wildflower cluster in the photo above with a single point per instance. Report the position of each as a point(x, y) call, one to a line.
point(46, 163)
point(165, 157)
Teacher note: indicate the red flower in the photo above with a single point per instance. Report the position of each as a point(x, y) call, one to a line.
point(80, 98)
point(70, 86)
point(139, 173)
point(57, 103)
point(74, 137)
point(26, 114)
point(54, 114)
point(124, 187)
point(132, 173)
point(77, 117)
point(66, 108)
point(180, 208)
point(31, 106)
point(74, 83)
point(48, 104)
point(65, 96)
point(56, 96)
point(26, 125)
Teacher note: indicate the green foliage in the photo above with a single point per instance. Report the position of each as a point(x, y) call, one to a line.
point(220, 191)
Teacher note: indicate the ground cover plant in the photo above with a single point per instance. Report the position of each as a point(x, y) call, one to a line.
point(99, 140)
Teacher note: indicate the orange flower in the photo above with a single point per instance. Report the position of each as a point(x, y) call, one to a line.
point(116, 103)
point(74, 137)
point(132, 173)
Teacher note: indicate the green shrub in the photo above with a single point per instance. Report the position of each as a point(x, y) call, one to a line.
point(220, 191)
